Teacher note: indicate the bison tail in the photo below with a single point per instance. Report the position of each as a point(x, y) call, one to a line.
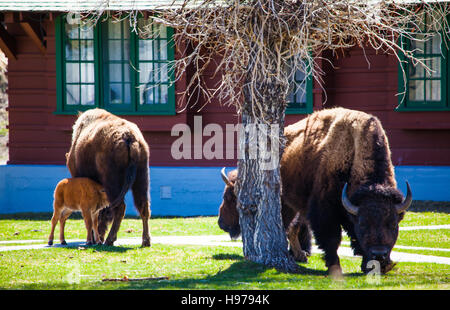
point(130, 173)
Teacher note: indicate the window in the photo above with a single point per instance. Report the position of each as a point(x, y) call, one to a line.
point(426, 90)
point(300, 97)
point(109, 66)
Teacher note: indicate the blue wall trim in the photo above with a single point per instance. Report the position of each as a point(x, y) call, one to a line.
point(191, 190)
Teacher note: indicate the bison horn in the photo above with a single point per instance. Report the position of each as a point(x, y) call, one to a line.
point(351, 208)
point(401, 207)
point(224, 177)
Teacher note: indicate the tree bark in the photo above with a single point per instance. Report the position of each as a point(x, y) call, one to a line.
point(258, 187)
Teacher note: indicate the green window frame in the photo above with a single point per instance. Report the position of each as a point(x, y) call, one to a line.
point(300, 98)
point(115, 80)
point(424, 91)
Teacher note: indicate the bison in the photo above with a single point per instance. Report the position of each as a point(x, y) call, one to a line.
point(112, 152)
point(78, 194)
point(336, 174)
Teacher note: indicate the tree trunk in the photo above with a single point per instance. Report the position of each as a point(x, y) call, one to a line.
point(259, 184)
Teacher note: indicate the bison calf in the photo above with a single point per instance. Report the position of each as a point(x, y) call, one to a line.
point(78, 194)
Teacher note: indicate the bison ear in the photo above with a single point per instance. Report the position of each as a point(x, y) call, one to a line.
point(351, 208)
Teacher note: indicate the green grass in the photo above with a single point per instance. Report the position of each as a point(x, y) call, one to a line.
point(192, 267)
point(22, 229)
point(198, 267)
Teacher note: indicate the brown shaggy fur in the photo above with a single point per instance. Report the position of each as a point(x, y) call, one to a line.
point(78, 194)
point(113, 152)
point(323, 152)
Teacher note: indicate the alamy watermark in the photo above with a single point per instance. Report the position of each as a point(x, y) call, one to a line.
point(374, 275)
point(254, 141)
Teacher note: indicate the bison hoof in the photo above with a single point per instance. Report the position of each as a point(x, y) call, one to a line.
point(50, 242)
point(335, 272)
point(63, 242)
point(108, 242)
point(301, 257)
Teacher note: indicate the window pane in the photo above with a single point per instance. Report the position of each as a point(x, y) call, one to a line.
point(87, 30)
point(164, 94)
point(71, 31)
point(72, 94)
point(418, 45)
point(126, 72)
point(162, 50)
point(88, 94)
point(161, 73)
point(433, 90)
point(299, 75)
point(127, 94)
point(115, 72)
point(290, 97)
point(416, 89)
point(145, 50)
point(300, 96)
point(434, 64)
point(87, 50)
point(116, 93)
point(146, 72)
point(434, 45)
point(72, 50)
point(115, 50)
point(72, 72)
point(87, 72)
point(416, 71)
point(114, 31)
point(146, 94)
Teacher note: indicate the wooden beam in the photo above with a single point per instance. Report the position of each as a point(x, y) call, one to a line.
point(7, 44)
point(32, 30)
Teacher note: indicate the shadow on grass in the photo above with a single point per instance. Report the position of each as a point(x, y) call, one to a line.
point(430, 206)
point(81, 245)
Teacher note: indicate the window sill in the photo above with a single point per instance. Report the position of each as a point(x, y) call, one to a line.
point(299, 111)
point(124, 113)
point(404, 109)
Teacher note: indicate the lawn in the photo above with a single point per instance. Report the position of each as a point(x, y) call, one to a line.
point(199, 267)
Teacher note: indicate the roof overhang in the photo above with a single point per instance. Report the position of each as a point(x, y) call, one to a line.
point(137, 5)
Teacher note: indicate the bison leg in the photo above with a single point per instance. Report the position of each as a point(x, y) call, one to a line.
point(304, 237)
point(105, 218)
point(327, 232)
point(62, 223)
point(141, 201)
point(95, 227)
point(118, 214)
point(293, 232)
point(55, 219)
point(88, 223)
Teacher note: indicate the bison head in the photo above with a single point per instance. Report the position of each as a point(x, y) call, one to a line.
point(375, 212)
point(228, 214)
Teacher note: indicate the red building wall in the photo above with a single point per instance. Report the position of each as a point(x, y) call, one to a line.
point(38, 136)
point(367, 81)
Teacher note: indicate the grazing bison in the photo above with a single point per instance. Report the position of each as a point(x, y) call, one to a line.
point(112, 152)
point(336, 174)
